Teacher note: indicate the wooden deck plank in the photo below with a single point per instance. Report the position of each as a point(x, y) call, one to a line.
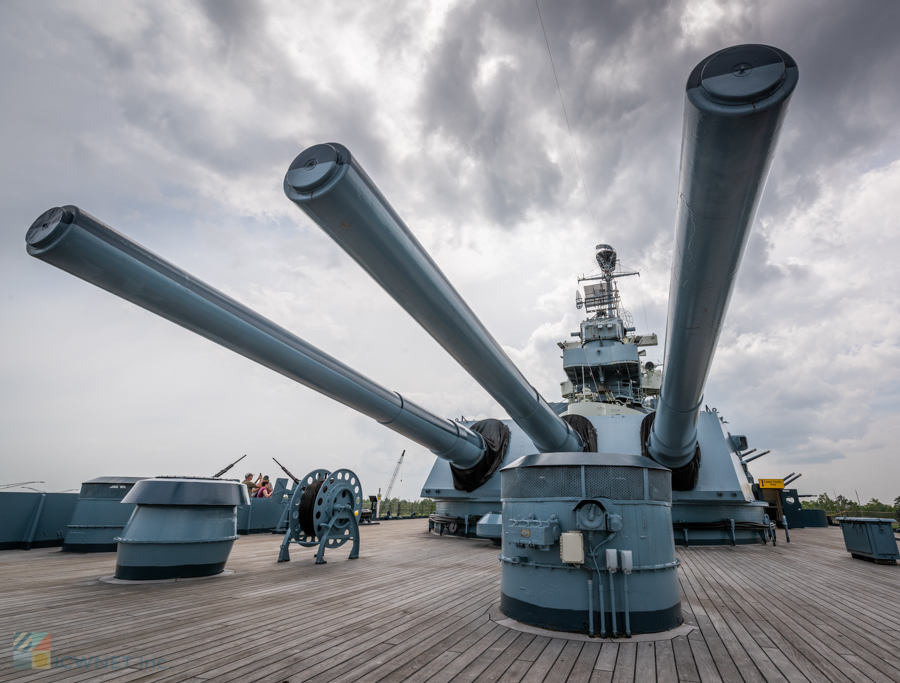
point(803, 611)
point(645, 663)
point(706, 666)
point(584, 666)
point(562, 667)
point(484, 660)
point(684, 660)
point(516, 671)
point(665, 662)
point(788, 670)
point(801, 630)
point(606, 660)
point(541, 666)
point(600, 676)
point(467, 656)
point(499, 666)
point(624, 672)
point(533, 651)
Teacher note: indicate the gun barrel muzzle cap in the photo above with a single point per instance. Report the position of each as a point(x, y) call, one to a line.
point(48, 226)
point(313, 168)
point(743, 74)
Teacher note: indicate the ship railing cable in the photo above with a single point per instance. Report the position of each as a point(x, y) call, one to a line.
point(566, 114)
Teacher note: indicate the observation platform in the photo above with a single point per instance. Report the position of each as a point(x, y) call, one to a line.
point(416, 607)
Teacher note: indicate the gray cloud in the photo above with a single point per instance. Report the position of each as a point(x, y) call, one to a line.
point(175, 124)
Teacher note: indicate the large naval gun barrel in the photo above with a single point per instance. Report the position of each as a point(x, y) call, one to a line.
point(328, 184)
point(78, 243)
point(735, 105)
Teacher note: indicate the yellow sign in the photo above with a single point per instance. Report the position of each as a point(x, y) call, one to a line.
point(771, 483)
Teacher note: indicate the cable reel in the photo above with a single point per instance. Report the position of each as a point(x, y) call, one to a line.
point(324, 511)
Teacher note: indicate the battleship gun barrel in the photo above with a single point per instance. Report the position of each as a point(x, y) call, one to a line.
point(328, 184)
point(78, 243)
point(735, 104)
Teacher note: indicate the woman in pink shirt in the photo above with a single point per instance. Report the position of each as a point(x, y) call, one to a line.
point(265, 490)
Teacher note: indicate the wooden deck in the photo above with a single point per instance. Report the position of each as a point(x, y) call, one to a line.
point(415, 607)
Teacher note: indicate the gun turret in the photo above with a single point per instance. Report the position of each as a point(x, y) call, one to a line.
point(328, 184)
point(224, 470)
point(78, 243)
point(735, 105)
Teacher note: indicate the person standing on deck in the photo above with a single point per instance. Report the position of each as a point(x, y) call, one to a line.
point(250, 484)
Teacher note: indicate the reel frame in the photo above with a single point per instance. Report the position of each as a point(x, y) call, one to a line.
point(324, 512)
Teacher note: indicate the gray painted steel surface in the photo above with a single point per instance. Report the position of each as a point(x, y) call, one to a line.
point(490, 526)
point(181, 527)
point(722, 490)
point(870, 538)
point(615, 502)
point(264, 514)
point(328, 184)
point(78, 243)
point(735, 105)
point(29, 519)
point(99, 515)
point(790, 506)
point(814, 518)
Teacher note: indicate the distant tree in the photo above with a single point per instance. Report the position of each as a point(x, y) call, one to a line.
point(875, 505)
point(840, 502)
point(823, 502)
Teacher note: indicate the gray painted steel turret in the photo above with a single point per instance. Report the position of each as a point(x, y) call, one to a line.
point(328, 184)
point(587, 544)
point(78, 243)
point(181, 527)
point(735, 105)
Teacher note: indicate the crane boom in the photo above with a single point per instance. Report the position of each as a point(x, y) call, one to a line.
point(387, 494)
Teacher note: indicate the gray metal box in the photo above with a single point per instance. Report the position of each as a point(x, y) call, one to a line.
point(870, 538)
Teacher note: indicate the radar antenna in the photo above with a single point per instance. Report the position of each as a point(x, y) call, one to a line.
point(602, 297)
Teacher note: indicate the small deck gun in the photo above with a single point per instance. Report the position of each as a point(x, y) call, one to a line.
point(287, 471)
point(223, 471)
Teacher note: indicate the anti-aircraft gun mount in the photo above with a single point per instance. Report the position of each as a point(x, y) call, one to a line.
point(735, 104)
point(324, 513)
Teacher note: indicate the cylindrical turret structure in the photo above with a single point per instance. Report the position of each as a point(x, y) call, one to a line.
point(181, 527)
point(78, 243)
point(734, 108)
point(327, 183)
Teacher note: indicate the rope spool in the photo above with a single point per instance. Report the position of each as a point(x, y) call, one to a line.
point(308, 507)
point(325, 511)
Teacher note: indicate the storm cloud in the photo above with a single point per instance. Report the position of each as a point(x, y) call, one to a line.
point(175, 122)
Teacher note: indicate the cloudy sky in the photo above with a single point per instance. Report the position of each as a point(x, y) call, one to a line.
point(175, 123)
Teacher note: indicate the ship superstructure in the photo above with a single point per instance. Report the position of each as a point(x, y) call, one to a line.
point(604, 374)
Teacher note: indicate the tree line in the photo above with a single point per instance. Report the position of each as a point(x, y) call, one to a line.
point(395, 507)
point(839, 502)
